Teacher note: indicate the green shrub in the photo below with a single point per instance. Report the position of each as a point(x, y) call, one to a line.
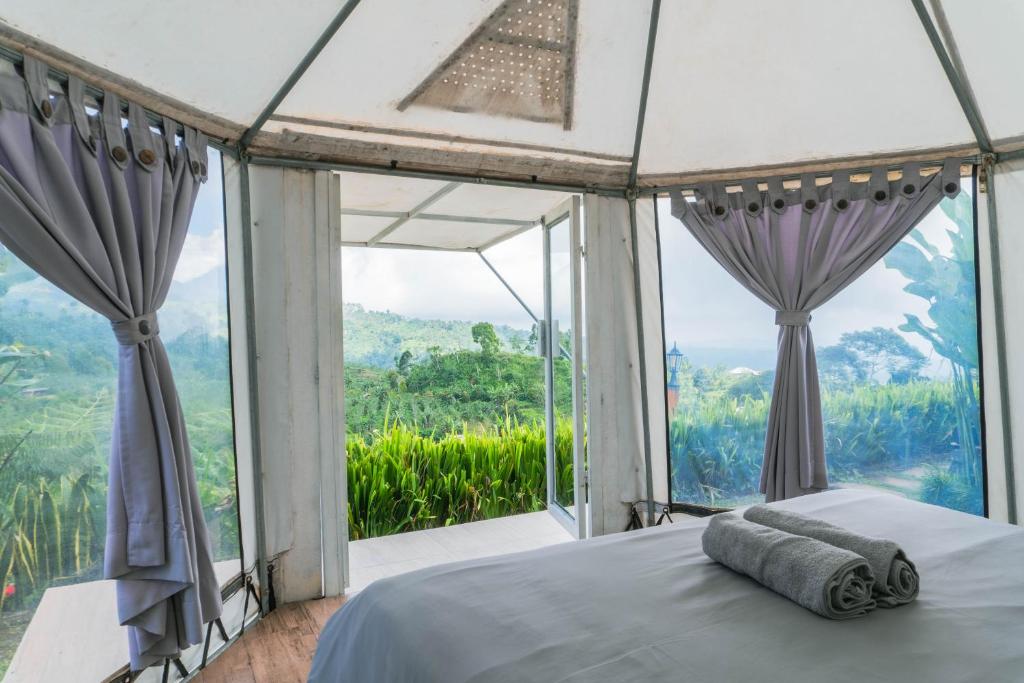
point(941, 487)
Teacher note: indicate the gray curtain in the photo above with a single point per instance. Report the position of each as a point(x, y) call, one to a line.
point(795, 249)
point(102, 213)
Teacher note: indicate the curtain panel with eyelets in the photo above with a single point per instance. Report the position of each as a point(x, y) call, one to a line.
point(101, 209)
point(794, 249)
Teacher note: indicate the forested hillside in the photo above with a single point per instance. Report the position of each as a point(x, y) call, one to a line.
point(377, 337)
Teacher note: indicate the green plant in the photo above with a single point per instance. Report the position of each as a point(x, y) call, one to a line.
point(942, 487)
point(400, 480)
point(47, 534)
point(947, 283)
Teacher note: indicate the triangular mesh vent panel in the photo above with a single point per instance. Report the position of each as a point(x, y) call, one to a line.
point(519, 62)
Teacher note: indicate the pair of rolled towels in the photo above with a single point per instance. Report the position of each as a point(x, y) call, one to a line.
point(827, 569)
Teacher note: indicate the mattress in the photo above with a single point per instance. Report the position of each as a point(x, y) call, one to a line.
point(650, 606)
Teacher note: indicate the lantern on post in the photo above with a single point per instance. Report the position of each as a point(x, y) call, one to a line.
point(674, 361)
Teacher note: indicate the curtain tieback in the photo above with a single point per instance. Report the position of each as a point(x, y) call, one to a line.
point(136, 330)
point(793, 318)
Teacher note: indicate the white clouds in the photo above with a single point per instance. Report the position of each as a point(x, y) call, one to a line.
point(445, 285)
point(200, 255)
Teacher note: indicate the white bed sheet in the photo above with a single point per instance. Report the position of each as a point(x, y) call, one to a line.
point(650, 606)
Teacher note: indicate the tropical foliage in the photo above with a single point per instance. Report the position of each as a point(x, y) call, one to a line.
point(399, 480)
point(57, 389)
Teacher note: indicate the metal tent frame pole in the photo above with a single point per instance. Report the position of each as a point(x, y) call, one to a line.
point(396, 170)
point(413, 213)
point(960, 84)
point(1000, 330)
point(631, 195)
point(508, 287)
point(252, 371)
point(297, 73)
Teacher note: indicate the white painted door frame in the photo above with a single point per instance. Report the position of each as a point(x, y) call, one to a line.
point(577, 524)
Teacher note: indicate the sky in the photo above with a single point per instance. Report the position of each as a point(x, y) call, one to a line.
point(203, 250)
point(459, 286)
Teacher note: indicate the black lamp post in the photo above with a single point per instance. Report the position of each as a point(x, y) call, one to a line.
point(675, 359)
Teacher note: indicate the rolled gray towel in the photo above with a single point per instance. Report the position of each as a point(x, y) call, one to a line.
point(896, 578)
point(830, 581)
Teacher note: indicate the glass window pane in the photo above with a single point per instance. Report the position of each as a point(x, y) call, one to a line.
point(897, 356)
point(724, 360)
point(561, 324)
point(898, 360)
point(57, 384)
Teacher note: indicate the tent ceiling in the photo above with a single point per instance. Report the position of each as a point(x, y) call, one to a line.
point(222, 57)
point(450, 216)
point(834, 88)
point(735, 83)
point(989, 44)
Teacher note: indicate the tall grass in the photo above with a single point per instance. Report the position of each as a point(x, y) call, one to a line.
point(47, 534)
point(717, 441)
point(399, 480)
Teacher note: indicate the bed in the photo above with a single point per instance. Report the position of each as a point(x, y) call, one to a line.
point(650, 606)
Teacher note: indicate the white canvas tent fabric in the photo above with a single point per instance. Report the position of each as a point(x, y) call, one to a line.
point(734, 84)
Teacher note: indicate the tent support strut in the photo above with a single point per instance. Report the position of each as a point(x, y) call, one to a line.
point(631, 195)
point(297, 73)
point(962, 89)
point(1000, 335)
point(252, 371)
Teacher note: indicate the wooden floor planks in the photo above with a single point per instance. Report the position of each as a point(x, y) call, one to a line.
point(279, 649)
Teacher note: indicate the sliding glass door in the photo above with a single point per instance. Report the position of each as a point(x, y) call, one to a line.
point(564, 377)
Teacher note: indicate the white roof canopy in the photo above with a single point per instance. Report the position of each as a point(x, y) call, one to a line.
point(388, 211)
point(733, 84)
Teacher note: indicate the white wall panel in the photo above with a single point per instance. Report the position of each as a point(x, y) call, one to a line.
point(296, 323)
point(615, 436)
point(1009, 185)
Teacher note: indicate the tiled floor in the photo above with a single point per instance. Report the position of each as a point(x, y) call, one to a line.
point(376, 558)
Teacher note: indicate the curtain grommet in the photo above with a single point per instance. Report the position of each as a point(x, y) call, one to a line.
point(195, 168)
point(842, 204)
point(909, 189)
point(881, 196)
point(950, 188)
point(753, 207)
point(718, 210)
point(811, 204)
point(202, 169)
point(46, 108)
point(120, 154)
point(779, 204)
point(147, 156)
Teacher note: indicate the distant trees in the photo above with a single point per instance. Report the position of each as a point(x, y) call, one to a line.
point(402, 362)
point(879, 355)
point(453, 388)
point(487, 338)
